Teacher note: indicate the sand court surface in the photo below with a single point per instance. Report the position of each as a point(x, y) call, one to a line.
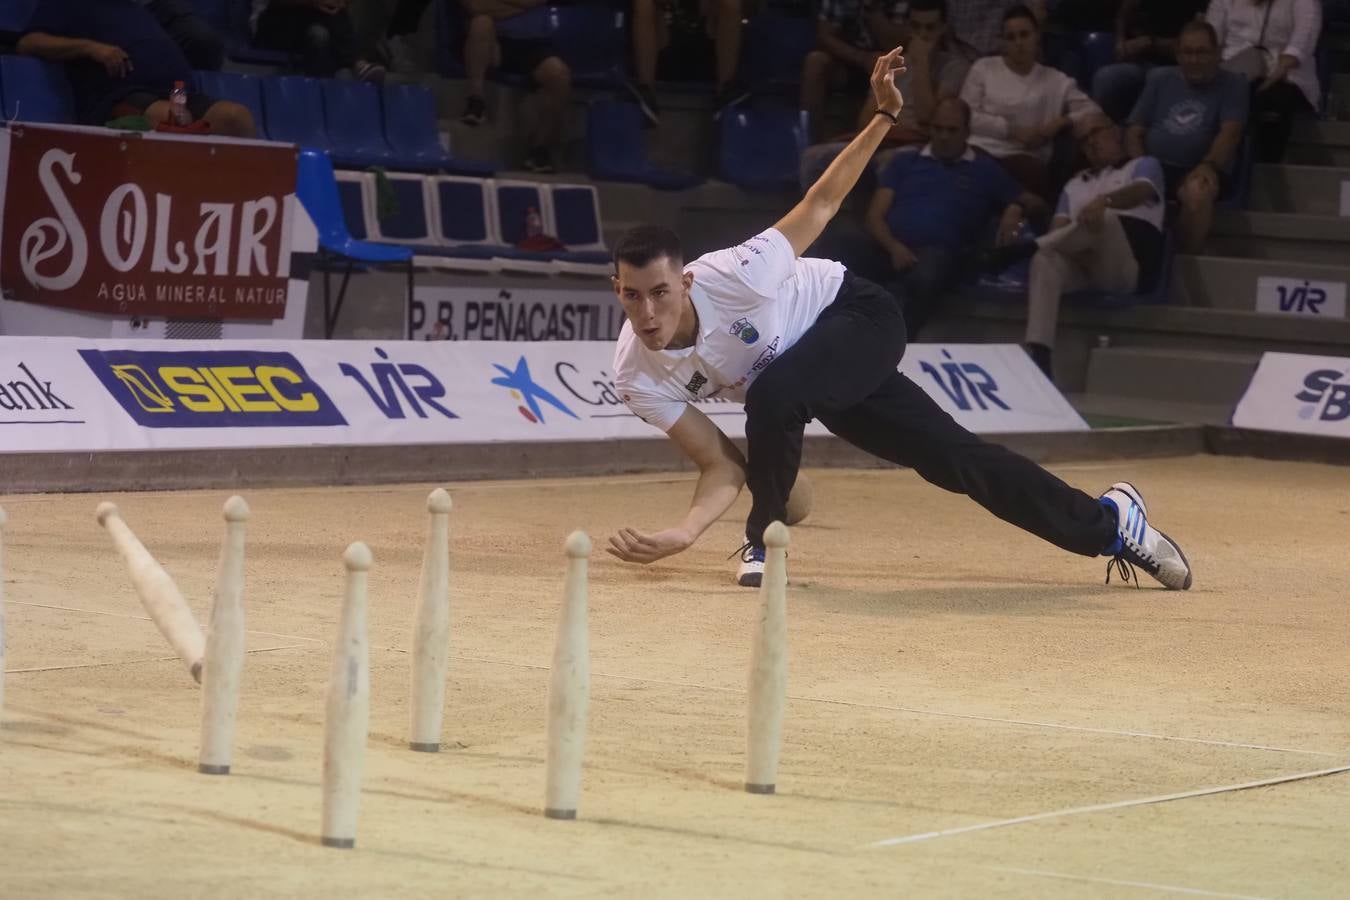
point(948, 674)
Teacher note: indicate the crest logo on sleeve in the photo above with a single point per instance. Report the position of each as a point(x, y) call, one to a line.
point(695, 384)
point(743, 329)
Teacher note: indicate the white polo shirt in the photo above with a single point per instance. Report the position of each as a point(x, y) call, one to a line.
point(1084, 188)
point(754, 301)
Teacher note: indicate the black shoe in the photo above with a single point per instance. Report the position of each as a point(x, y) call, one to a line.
point(1040, 355)
point(729, 96)
point(996, 259)
point(539, 162)
point(475, 111)
point(646, 101)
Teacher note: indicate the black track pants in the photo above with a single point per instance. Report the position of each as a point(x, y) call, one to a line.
point(843, 372)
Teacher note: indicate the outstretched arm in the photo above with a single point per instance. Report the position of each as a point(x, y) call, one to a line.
point(808, 218)
point(721, 470)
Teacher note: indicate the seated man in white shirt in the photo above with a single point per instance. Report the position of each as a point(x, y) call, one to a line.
point(801, 339)
point(1106, 235)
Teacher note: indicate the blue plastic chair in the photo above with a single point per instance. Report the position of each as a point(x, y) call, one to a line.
point(14, 15)
point(351, 110)
point(410, 129)
point(592, 40)
point(316, 188)
point(774, 47)
point(576, 221)
point(36, 91)
point(1240, 184)
point(761, 148)
point(246, 90)
point(615, 149)
point(293, 107)
point(1095, 49)
point(410, 222)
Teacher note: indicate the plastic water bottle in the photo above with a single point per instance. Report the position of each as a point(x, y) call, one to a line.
point(178, 110)
point(534, 224)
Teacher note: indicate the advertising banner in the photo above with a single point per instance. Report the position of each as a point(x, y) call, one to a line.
point(88, 394)
point(483, 313)
point(1303, 394)
point(147, 226)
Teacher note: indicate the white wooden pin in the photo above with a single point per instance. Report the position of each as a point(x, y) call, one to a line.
point(4, 519)
point(159, 595)
point(569, 688)
point(224, 662)
point(768, 668)
point(347, 718)
point(431, 630)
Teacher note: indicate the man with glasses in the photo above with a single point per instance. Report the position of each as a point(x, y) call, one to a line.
point(1191, 117)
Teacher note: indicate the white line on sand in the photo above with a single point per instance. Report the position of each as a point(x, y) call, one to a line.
point(118, 615)
point(128, 662)
point(1104, 807)
point(1146, 885)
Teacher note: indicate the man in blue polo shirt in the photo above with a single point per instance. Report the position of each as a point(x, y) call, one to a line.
point(121, 61)
point(934, 204)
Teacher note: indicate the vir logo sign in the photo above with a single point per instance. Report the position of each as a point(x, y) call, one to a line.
point(969, 385)
point(1301, 297)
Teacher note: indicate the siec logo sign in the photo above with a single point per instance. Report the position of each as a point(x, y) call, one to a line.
point(212, 388)
point(1325, 396)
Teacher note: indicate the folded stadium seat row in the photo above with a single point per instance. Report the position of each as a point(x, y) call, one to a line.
point(453, 222)
point(356, 123)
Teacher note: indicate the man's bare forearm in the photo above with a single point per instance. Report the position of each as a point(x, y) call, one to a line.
point(52, 47)
point(718, 487)
point(834, 185)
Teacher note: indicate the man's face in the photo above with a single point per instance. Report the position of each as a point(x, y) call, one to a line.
point(1102, 145)
point(653, 297)
point(1197, 57)
point(1021, 40)
point(948, 132)
point(926, 24)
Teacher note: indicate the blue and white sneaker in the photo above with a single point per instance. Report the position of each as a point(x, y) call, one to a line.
point(1140, 544)
point(750, 573)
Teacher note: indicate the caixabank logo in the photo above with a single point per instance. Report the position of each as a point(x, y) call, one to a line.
point(213, 388)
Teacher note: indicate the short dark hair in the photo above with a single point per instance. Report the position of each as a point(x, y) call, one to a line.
point(644, 244)
point(1202, 26)
point(940, 6)
point(952, 100)
point(1021, 11)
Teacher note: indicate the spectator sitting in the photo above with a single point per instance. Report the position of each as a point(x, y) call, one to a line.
point(1146, 37)
point(200, 43)
point(685, 39)
point(320, 31)
point(1019, 106)
point(979, 23)
point(849, 34)
point(1190, 117)
point(120, 61)
point(1273, 44)
point(932, 205)
point(1106, 236)
point(536, 58)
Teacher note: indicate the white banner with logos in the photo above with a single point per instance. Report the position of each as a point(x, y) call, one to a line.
point(486, 313)
point(1300, 297)
point(1293, 392)
point(78, 394)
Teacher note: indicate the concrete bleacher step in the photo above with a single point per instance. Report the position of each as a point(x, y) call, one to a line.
point(1319, 142)
point(1225, 282)
point(1311, 190)
point(1280, 236)
point(1112, 409)
point(1182, 375)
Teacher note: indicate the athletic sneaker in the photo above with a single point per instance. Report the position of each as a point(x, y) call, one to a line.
point(1139, 544)
point(751, 570)
point(475, 111)
point(539, 161)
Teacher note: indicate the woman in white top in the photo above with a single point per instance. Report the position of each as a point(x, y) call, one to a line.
point(1274, 44)
point(1018, 106)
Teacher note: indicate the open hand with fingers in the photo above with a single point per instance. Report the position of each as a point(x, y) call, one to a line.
point(631, 545)
point(884, 91)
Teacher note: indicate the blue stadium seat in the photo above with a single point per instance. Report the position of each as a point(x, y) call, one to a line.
point(1239, 187)
point(576, 223)
point(293, 107)
point(410, 222)
point(316, 188)
point(356, 193)
point(774, 46)
point(36, 91)
point(1095, 49)
point(351, 110)
point(411, 130)
point(511, 202)
point(245, 90)
point(592, 40)
point(761, 148)
point(14, 15)
point(615, 149)
point(463, 223)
